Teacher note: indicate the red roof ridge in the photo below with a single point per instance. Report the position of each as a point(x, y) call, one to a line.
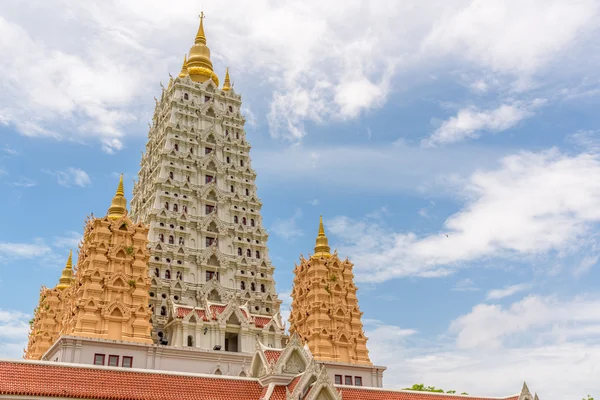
point(126, 370)
point(419, 393)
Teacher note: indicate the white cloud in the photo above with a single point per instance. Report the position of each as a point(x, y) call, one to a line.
point(496, 294)
point(71, 176)
point(11, 152)
point(514, 37)
point(314, 202)
point(287, 228)
point(14, 329)
point(25, 183)
point(535, 204)
point(84, 75)
point(70, 240)
point(36, 249)
point(588, 140)
point(470, 122)
point(491, 350)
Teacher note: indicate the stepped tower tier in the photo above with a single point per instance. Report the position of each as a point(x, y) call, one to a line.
point(196, 191)
point(325, 312)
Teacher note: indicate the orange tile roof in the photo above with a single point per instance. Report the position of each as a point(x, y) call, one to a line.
point(182, 312)
point(260, 322)
point(349, 393)
point(272, 355)
point(48, 380)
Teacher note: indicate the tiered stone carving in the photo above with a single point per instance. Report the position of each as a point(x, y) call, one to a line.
point(109, 298)
point(46, 324)
point(325, 312)
point(196, 190)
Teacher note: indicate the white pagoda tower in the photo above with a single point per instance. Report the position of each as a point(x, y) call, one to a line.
point(212, 281)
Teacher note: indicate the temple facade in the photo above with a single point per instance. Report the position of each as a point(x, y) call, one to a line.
point(108, 296)
point(212, 281)
point(326, 316)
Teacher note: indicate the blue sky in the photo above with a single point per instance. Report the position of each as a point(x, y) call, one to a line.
point(452, 147)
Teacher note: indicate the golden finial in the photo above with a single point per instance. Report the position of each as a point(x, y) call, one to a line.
point(322, 247)
point(199, 66)
point(227, 83)
point(200, 37)
point(118, 207)
point(67, 274)
point(184, 69)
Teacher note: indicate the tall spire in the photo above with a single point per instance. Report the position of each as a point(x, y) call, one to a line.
point(184, 68)
point(200, 37)
point(200, 67)
point(118, 207)
point(227, 83)
point(67, 274)
point(322, 247)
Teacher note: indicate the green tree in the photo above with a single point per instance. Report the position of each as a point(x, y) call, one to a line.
point(588, 398)
point(419, 387)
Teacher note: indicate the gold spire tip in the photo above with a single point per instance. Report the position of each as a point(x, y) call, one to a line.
point(118, 207)
point(67, 274)
point(322, 245)
point(227, 82)
point(200, 36)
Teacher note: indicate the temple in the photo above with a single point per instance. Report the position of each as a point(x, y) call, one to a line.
point(176, 299)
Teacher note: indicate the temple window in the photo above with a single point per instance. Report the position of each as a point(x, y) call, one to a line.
point(257, 254)
point(348, 380)
point(211, 274)
point(163, 311)
point(99, 359)
point(252, 286)
point(184, 209)
point(357, 381)
point(171, 240)
point(237, 135)
point(176, 147)
point(181, 242)
point(113, 361)
point(228, 160)
point(167, 274)
point(226, 132)
point(247, 192)
point(231, 189)
point(191, 150)
point(188, 178)
point(209, 241)
point(338, 379)
point(161, 237)
point(235, 220)
point(175, 207)
point(262, 287)
point(190, 341)
point(208, 179)
point(206, 99)
point(171, 175)
point(241, 163)
point(185, 96)
point(207, 150)
point(239, 251)
point(248, 253)
point(244, 220)
point(156, 273)
point(252, 222)
point(209, 209)
point(243, 285)
point(127, 362)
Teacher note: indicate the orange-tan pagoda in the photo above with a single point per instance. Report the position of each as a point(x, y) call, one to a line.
point(46, 322)
point(325, 311)
point(108, 296)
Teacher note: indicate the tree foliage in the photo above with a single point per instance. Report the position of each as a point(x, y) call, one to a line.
point(419, 387)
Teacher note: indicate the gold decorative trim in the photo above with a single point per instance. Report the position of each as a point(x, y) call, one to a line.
point(204, 72)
